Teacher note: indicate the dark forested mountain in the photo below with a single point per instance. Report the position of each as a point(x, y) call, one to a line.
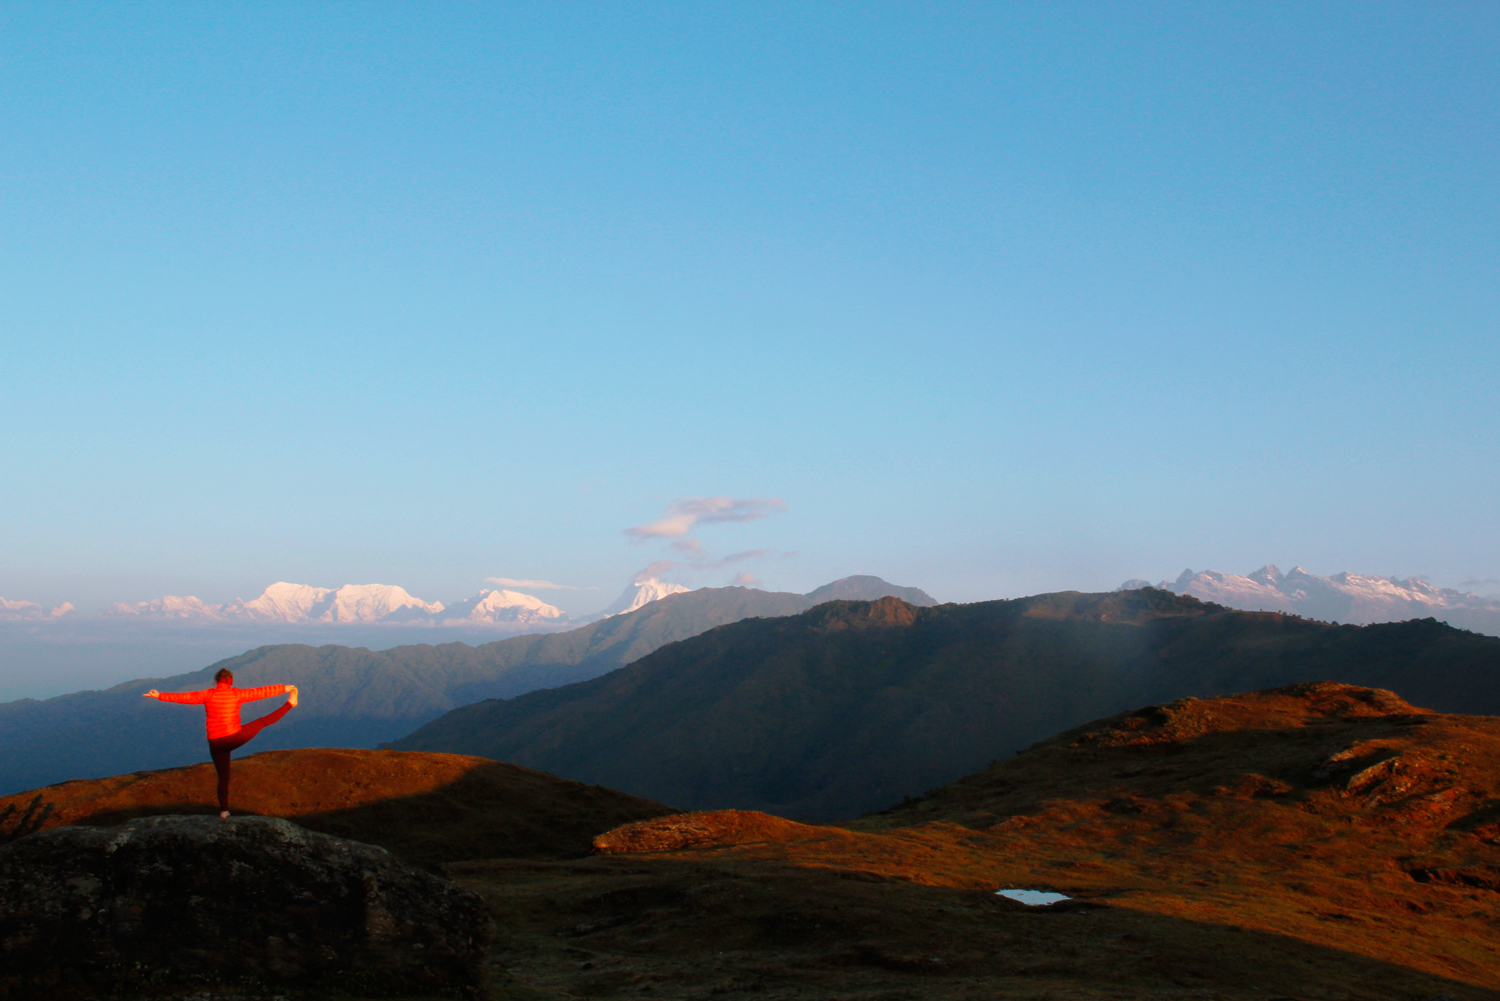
point(352, 697)
point(852, 705)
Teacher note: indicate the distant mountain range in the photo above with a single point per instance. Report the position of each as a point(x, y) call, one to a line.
point(1344, 597)
point(30, 611)
point(851, 705)
point(289, 604)
point(300, 604)
point(355, 697)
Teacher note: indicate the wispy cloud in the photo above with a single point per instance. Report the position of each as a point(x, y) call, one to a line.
point(1480, 582)
point(535, 585)
point(749, 554)
point(685, 512)
point(744, 579)
point(699, 558)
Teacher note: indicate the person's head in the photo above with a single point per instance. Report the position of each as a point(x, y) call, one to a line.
point(224, 675)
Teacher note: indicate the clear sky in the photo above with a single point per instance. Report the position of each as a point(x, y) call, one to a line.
point(989, 298)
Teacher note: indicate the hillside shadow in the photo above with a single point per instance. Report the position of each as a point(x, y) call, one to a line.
point(691, 927)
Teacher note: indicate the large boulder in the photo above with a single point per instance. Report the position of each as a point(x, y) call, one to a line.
point(162, 902)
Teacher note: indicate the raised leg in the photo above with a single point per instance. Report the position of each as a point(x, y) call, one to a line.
point(249, 730)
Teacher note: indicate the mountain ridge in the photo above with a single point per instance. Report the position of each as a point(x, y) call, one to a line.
point(852, 705)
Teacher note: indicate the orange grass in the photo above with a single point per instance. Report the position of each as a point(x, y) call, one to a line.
point(1337, 816)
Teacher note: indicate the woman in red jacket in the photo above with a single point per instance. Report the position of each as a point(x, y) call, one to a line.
point(221, 704)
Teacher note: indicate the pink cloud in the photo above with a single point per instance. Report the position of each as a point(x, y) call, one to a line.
point(685, 512)
point(749, 554)
point(538, 585)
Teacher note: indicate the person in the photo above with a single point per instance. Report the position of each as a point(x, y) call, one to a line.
point(221, 705)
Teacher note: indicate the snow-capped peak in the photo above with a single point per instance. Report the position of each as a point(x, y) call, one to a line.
point(503, 606)
point(168, 606)
point(641, 591)
point(373, 603)
point(281, 602)
point(1267, 575)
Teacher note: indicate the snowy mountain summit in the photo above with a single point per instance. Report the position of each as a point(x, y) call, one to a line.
point(501, 607)
point(1344, 597)
point(291, 603)
point(641, 591)
point(284, 603)
point(167, 607)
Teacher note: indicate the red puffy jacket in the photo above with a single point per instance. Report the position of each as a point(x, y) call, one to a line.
point(222, 704)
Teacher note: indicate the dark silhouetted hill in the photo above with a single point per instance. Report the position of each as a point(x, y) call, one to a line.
point(351, 696)
point(852, 705)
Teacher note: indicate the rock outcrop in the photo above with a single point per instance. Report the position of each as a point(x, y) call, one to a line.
point(163, 902)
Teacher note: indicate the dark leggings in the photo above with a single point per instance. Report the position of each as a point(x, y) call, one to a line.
point(219, 749)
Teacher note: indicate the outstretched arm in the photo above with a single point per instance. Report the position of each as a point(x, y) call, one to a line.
point(263, 692)
point(191, 698)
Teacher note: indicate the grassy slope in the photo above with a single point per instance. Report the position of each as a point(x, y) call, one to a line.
point(852, 705)
point(1323, 843)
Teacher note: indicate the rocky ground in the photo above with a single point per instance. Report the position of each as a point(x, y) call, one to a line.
point(164, 903)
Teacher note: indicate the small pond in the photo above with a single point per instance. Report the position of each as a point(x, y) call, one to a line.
point(1035, 898)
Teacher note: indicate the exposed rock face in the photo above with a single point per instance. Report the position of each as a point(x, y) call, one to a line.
point(165, 901)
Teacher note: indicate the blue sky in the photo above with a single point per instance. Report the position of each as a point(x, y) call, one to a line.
point(995, 299)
